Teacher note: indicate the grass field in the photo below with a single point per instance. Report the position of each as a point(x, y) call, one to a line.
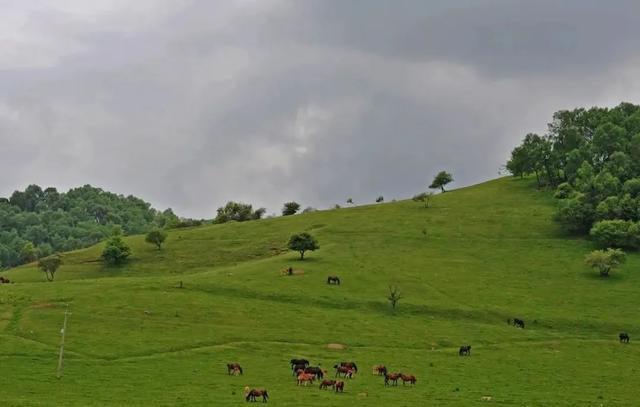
point(490, 252)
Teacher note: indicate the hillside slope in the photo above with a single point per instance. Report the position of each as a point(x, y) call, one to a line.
point(477, 257)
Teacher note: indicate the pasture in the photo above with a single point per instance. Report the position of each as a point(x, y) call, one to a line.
point(476, 258)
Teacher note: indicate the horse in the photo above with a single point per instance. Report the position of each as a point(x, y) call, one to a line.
point(7, 281)
point(465, 350)
point(624, 337)
point(518, 323)
point(350, 364)
point(296, 368)
point(408, 378)
point(346, 371)
point(339, 387)
point(333, 280)
point(379, 370)
point(250, 395)
point(315, 371)
point(306, 378)
point(391, 377)
point(234, 368)
point(294, 362)
point(326, 383)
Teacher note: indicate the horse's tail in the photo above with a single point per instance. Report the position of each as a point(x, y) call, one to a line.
point(265, 395)
point(355, 367)
point(240, 369)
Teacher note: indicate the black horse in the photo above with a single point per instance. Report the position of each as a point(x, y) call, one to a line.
point(624, 337)
point(315, 370)
point(296, 362)
point(518, 323)
point(333, 280)
point(465, 350)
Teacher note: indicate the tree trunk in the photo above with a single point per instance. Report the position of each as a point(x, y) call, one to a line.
point(301, 254)
point(442, 187)
point(49, 276)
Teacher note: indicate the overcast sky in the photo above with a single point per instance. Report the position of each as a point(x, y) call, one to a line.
point(189, 104)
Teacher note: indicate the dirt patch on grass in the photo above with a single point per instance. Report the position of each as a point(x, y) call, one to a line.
point(336, 346)
point(296, 272)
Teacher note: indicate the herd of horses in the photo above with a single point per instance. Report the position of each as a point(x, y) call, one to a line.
point(306, 374)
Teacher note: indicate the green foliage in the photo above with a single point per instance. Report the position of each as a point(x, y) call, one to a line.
point(440, 180)
point(238, 212)
point(611, 233)
point(156, 237)
point(28, 253)
point(605, 260)
point(116, 251)
point(303, 242)
point(290, 208)
point(592, 156)
point(35, 223)
point(424, 197)
point(49, 266)
point(576, 214)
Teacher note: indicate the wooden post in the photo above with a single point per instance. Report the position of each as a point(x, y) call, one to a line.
point(63, 332)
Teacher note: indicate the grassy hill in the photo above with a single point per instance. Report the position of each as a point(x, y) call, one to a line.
point(490, 252)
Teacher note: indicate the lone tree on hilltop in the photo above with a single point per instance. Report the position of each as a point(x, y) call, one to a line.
point(303, 242)
point(156, 237)
point(49, 265)
point(605, 260)
point(290, 208)
point(116, 250)
point(440, 180)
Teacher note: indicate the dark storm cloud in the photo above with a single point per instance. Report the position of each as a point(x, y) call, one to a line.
point(189, 104)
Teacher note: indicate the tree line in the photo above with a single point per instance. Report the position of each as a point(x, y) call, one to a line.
point(591, 157)
point(36, 222)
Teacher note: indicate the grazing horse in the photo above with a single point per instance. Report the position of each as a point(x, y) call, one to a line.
point(350, 364)
point(6, 280)
point(339, 387)
point(379, 370)
point(316, 371)
point(250, 395)
point(391, 377)
point(295, 362)
point(326, 383)
point(333, 280)
point(346, 371)
point(234, 368)
point(518, 323)
point(465, 350)
point(306, 378)
point(408, 378)
point(296, 368)
point(624, 337)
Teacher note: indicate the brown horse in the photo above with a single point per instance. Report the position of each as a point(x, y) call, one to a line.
point(346, 371)
point(234, 368)
point(306, 378)
point(333, 280)
point(326, 383)
point(4, 280)
point(339, 387)
point(350, 364)
point(379, 370)
point(391, 377)
point(251, 395)
point(408, 378)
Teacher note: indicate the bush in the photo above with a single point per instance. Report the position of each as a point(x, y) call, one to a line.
point(611, 233)
point(605, 260)
point(115, 251)
point(564, 191)
point(576, 214)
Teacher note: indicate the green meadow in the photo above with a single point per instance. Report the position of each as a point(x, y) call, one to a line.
point(475, 258)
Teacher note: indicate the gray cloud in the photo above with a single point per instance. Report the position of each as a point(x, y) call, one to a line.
point(189, 104)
